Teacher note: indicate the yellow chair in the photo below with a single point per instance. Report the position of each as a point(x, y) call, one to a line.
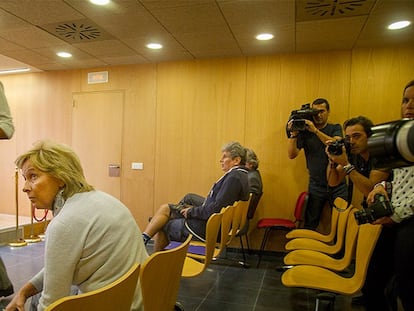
point(234, 217)
point(193, 267)
point(311, 244)
point(244, 231)
point(315, 258)
point(341, 204)
point(239, 218)
point(306, 276)
point(117, 295)
point(197, 249)
point(160, 277)
point(240, 223)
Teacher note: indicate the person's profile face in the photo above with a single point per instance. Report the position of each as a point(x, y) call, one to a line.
point(407, 105)
point(41, 188)
point(227, 162)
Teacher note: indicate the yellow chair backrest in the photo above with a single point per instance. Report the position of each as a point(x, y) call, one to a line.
point(160, 277)
point(226, 220)
point(312, 244)
point(117, 295)
point(239, 217)
point(194, 267)
point(312, 234)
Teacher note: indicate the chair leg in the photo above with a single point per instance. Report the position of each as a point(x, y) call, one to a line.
point(248, 246)
point(244, 262)
point(325, 302)
point(262, 246)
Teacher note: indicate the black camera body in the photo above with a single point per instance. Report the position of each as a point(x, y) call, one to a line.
point(380, 208)
point(299, 116)
point(336, 147)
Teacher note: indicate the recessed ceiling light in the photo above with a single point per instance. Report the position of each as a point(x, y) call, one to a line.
point(64, 54)
point(154, 46)
point(99, 2)
point(264, 36)
point(399, 25)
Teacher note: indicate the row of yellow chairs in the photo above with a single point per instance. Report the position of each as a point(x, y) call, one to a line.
point(317, 263)
point(118, 295)
point(169, 265)
point(233, 220)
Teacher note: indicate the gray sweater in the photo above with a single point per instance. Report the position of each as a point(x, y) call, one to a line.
point(90, 243)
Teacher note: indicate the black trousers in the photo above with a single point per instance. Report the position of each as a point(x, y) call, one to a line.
point(393, 259)
point(380, 272)
point(404, 263)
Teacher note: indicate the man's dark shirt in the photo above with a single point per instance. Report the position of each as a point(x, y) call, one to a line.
point(316, 158)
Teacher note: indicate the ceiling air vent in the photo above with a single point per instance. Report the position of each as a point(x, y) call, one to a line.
point(324, 9)
point(77, 31)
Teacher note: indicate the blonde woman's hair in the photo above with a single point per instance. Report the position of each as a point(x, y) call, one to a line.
point(59, 161)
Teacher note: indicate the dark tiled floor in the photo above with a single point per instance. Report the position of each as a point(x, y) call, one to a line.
point(225, 286)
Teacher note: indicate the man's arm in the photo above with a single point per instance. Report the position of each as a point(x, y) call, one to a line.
point(364, 184)
point(334, 174)
point(293, 150)
point(322, 136)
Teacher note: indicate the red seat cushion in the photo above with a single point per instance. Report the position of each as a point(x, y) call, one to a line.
point(275, 222)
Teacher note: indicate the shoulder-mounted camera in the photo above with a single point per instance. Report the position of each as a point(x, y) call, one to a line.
point(299, 116)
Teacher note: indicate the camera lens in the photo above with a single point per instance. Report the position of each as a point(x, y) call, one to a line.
point(335, 148)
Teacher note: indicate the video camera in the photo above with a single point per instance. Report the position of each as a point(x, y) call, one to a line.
point(379, 208)
point(299, 116)
point(391, 144)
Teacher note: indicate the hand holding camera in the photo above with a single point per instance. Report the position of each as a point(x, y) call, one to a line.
point(381, 207)
point(301, 120)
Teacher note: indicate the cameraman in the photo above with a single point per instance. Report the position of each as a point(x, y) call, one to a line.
point(313, 140)
point(401, 248)
point(355, 162)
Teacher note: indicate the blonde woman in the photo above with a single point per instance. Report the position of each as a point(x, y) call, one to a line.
point(92, 240)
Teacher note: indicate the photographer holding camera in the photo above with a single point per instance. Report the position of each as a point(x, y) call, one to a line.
point(400, 247)
point(312, 137)
point(351, 158)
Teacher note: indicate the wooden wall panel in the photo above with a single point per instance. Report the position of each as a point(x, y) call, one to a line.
point(41, 106)
point(378, 78)
point(200, 106)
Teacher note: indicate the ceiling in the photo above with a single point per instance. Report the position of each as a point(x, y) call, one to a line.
point(33, 31)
